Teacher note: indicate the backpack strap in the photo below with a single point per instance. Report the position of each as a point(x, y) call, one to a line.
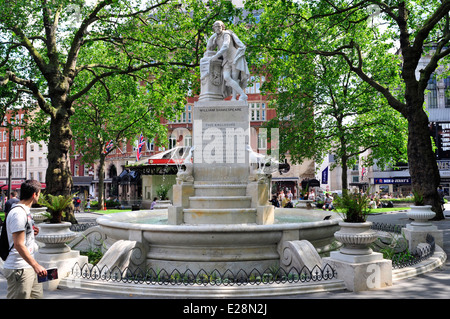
point(12, 246)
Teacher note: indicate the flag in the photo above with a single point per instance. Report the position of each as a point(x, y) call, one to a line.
point(325, 176)
point(108, 147)
point(141, 143)
point(363, 172)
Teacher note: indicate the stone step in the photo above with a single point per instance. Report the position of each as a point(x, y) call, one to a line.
point(220, 189)
point(196, 216)
point(220, 202)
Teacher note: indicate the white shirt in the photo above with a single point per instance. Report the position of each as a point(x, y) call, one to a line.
point(16, 222)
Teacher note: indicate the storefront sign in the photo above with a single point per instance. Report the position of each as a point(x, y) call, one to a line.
point(443, 165)
point(440, 132)
point(396, 180)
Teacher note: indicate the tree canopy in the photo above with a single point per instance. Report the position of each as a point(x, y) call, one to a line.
point(56, 51)
point(382, 43)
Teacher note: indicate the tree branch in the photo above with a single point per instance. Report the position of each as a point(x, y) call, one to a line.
point(43, 104)
point(69, 67)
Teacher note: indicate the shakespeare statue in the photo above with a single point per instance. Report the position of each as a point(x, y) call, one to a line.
point(224, 70)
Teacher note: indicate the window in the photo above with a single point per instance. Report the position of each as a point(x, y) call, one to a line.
point(150, 145)
point(5, 137)
point(4, 152)
point(447, 92)
point(432, 94)
point(257, 112)
point(40, 161)
point(31, 148)
point(186, 116)
point(21, 151)
point(16, 151)
point(31, 161)
point(75, 173)
point(172, 142)
point(40, 176)
point(188, 141)
point(262, 140)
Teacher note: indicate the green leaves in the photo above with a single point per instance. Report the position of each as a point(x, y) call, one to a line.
point(354, 207)
point(56, 205)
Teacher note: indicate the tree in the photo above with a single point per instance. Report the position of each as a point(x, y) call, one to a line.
point(345, 29)
point(57, 51)
point(326, 108)
point(120, 111)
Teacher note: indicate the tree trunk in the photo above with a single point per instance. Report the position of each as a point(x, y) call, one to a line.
point(101, 181)
point(58, 176)
point(344, 177)
point(423, 168)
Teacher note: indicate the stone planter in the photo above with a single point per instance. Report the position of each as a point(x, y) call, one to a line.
point(421, 215)
point(54, 238)
point(38, 214)
point(356, 238)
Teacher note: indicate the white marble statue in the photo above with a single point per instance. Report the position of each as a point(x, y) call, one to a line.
point(225, 47)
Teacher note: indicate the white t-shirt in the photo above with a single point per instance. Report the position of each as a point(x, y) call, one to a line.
point(16, 222)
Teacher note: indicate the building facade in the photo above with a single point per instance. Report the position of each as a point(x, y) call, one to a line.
point(13, 152)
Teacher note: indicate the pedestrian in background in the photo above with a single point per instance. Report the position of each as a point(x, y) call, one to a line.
point(11, 202)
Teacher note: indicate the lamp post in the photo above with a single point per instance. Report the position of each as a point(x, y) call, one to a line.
point(9, 160)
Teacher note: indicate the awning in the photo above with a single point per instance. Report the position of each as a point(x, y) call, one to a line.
point(127, 177)
point(17, 186)
point(82, 180)
point(310, 183)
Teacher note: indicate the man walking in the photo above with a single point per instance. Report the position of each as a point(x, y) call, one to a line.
point(20, 268)
point(11, 202)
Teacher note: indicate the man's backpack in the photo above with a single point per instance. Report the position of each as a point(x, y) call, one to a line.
point(4, 243)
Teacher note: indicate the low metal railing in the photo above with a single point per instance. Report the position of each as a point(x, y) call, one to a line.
point(420, 254)
point(214, 278)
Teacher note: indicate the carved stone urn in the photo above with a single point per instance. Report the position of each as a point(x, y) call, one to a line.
point(421, 215)
point(54, 237)
point(38, 214)
point(356, 238)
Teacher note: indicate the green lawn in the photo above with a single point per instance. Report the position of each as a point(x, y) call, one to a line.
point(384, 210)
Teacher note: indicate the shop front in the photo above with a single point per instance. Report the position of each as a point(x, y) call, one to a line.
point(395, 186)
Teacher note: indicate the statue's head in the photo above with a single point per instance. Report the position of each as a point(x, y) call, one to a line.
point(218, 26)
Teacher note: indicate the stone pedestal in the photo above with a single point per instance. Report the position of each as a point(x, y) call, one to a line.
point(418, 234)
point(64, 262)
point(356, 264)
point(362, 272)
point(55, 253)
point(217, 187)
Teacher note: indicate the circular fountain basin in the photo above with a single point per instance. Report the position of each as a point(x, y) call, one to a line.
point(219, 247)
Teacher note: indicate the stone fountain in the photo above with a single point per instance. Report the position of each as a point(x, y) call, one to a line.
point(221, 218)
